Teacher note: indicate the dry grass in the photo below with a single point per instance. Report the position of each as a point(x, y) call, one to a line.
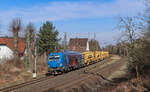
point(131, 85)
point(119, 73)
point(14, 71)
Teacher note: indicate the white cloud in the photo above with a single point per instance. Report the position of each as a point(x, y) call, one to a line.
point(71, 10)
point(56, 11)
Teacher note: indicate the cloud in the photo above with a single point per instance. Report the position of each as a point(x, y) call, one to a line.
point(65, 10)
point(55, 11)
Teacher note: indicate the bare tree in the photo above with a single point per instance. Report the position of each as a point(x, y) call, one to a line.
point(15, 28)
point(147, 11)
point(31, 29)
point(30, 35)
point(131, 27)
point(94, 45)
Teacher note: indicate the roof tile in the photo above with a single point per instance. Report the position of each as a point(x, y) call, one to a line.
point(10, 43)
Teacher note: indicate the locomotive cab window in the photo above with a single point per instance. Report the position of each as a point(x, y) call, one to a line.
point(54, 58)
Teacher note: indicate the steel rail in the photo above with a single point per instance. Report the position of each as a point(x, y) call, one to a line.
point(6, 89)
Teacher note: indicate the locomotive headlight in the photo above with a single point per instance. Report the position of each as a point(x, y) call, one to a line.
point(60, 64)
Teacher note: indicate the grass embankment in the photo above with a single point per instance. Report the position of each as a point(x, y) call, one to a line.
point(122, 82)
point(14, 72)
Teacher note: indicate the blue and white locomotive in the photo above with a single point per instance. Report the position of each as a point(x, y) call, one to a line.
point(64, 61)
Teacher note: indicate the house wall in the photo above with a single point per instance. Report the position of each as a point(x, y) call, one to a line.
point(78, 44)
point(5, 52)
point(87, 46)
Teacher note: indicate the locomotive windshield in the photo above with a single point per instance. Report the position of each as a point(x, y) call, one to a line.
point(54, 58)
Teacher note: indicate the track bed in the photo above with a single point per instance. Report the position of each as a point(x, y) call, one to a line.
point(72, 81)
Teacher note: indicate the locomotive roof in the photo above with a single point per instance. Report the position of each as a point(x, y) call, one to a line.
point(68, 52)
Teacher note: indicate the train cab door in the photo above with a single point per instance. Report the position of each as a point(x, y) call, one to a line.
point(66, 64)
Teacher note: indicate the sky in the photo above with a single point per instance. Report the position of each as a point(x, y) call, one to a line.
point(78, 18)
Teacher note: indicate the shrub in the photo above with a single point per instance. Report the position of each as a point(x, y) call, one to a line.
point(139, 56)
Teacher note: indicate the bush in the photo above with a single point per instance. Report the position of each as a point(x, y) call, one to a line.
point(139, 56)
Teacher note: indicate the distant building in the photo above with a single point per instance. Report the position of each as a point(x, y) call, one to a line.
point(78, 44)
point(7, 47)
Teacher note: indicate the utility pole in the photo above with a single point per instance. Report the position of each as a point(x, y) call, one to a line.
point(88, 35)
point(76, 35)
point(95, 45)
point(28, 51)
point(94, 35)
point(87, 46)
point(148, 23)
point(35, 58)
point(65, 41)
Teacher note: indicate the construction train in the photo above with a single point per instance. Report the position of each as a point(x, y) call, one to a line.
point(63, 62)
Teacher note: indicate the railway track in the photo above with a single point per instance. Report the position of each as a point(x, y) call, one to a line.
point(67, 86)
point(10, 88)
point(46, 83)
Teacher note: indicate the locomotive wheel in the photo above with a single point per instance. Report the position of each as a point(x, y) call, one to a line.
point(65, 70)
point(55, 73)
point(78, 67)
point(68, 69)
point(82, 65)
point(48, 74)
point(74, 68)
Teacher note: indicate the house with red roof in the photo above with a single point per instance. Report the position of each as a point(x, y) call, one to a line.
point(7, 47)
point(78, 44)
